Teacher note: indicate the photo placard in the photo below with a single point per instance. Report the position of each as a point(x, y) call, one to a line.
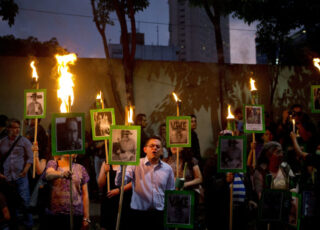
point(101, 120)
point(232, 154)
point(254, 119)
point(68, 133)
point(295, 210)
point(178, 131)
point(35, 102)
point(179, 209)
point(124, 148)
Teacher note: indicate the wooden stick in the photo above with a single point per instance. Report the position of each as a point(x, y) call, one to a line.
point(70, 168)
point(35, 141)
point(106, 151)
point(253, 151)
point(121, 197)
point(231, 206)
point(177, 161)
point(35, 152)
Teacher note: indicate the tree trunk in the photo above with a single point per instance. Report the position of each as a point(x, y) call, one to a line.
point(215, 19)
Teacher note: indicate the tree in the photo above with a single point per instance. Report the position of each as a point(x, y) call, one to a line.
point(123, 9)
point(11, 46)
point(8, 11)
point(276, 21)
point(215, 9)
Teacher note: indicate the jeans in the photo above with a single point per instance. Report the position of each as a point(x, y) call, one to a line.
point(22, 185)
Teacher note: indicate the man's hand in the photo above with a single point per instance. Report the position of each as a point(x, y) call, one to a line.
point(35, 147)
point(66, 174)
point(23, 173)
point(229, 177)
point(113, 192)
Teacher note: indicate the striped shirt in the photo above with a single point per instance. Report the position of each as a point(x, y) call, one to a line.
point(239, 190)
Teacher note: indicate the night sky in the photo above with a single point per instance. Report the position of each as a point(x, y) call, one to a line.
point(70, 21)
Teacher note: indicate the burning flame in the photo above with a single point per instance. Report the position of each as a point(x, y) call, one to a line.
point(99, 96)
point(65, 81)
point(34, 71)
point(253, 87)
point(230, 115)
point(316, 62)
point(130, 116)
point(176, 97)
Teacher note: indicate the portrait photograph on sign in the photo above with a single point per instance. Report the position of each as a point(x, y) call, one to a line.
point(68, 133)
point(254, 119)
point(124, 148)
point(232, 154)
point(270, 207)
point(101, 120)
point(178, 131)
point(35, 103)
point(315, 98)
point(179, 209)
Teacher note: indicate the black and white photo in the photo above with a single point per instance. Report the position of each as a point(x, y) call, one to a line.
point(125, 144)
point(68, 133)
point(35, 103)
point(101, 120)
point(178, 131)
point(254, 119)
point(231, 155)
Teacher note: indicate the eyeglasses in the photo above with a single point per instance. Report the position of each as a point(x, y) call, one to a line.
point(152, 146)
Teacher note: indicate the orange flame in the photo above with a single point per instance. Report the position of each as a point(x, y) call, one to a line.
point(99, 96)
point(176, 97)
point(130, 115)
point(230, 115)
point(34, 71)
point(253, 87)
point(65, 81)
point(316, 62)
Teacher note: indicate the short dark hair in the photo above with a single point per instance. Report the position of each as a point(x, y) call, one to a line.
point(193, 116)
point(139, 118)
point(13, 120)
point(153, 138)
point(296, 106)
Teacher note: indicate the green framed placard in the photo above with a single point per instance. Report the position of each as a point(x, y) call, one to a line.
point(124, 148)
point(271, 205)
point(179, 209)
point(232, 154)
point(295, 210)
point(101, 120)
point(68, 133)
point(315, 98)
point(178, 131)
point(35, 103)
point(254, 119)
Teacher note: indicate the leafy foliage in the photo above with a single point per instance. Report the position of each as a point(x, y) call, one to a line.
point(11, 46)
point(8, 10)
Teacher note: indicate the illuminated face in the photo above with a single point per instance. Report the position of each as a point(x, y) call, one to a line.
point(72, 131)
point(14, 129)
point(153, 149)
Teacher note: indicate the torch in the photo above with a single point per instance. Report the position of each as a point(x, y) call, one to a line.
point(66, 96)
point(100, 102)
point(230, 120)
point(254, 96)
point(35, 83)
point(128, 122)
point(230, 126)
point(178, 101)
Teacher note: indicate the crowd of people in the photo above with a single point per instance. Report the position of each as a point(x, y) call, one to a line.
point(278, 159)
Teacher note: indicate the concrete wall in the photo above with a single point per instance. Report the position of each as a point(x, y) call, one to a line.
point(195, 83)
